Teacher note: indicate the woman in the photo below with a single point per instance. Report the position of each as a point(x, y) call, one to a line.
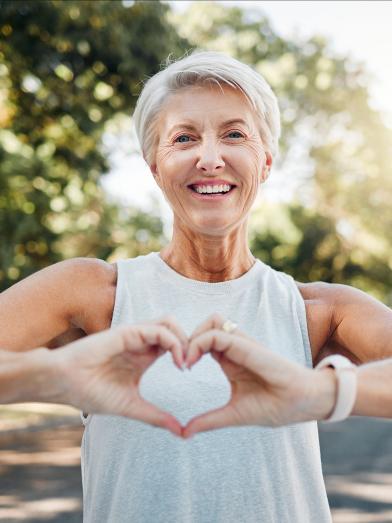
point(209, 129)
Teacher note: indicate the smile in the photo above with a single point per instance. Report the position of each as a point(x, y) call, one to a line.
point(211, 191)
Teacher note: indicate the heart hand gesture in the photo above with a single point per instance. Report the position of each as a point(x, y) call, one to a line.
point(267, 389)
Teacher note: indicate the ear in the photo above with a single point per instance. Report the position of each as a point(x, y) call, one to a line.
point(155, 173)
point(266, 167)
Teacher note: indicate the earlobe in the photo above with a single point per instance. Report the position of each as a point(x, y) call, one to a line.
point(267, 167)
point(265, 174)
point(155, 173)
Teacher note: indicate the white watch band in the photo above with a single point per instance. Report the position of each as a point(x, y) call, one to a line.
point(346, 386)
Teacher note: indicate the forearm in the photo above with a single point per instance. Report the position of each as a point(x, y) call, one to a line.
point(374, 393)
point(29, 376)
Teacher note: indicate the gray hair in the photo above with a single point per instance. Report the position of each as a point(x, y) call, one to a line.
point(196, 69)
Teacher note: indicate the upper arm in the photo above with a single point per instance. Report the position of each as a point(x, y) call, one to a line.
point(362, 324)
point(55, 300)
point(319, 316)
point(345, 320)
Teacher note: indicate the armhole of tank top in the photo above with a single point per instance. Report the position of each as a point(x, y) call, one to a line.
point(85, 417)
point(119, 296)
point(303, 324)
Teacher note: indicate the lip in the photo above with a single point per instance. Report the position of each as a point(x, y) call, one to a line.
point(211, 196)
point(215, 181)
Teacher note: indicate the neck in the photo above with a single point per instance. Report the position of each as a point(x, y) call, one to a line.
point(209, 258)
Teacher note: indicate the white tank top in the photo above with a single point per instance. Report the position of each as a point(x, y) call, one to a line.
point(133, 472)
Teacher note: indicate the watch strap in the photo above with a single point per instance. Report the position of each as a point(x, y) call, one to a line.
point(346, 385)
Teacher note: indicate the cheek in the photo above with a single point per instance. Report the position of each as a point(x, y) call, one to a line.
point(250, 163)
point(177, 162)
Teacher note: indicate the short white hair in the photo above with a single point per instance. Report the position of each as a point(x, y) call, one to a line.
point(199, 68)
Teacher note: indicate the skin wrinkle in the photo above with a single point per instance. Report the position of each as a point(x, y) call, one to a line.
point(212, 233)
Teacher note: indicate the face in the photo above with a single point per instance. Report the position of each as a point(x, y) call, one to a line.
point(210, 159)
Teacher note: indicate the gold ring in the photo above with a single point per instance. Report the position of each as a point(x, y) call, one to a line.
point(229, 326)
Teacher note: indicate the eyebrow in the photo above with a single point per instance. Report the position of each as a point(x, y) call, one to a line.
point(191, 127)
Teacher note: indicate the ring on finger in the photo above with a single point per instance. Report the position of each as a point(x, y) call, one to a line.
point(229, 326)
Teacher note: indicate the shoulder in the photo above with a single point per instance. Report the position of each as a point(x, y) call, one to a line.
point(88, 267)
point(94, 284)
point(337, 296)
point(336, 314)
point(73, 294)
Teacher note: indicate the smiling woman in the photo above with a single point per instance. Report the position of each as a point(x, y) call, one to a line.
point(209, 129)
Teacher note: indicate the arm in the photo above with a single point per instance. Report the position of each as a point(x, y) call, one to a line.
point(99, 374)
point(363, 325)
point(29, 376)
point(347, 321)
point(56, 300)
point(374, 394)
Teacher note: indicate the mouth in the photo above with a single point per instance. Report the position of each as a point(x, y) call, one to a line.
point(210, 193)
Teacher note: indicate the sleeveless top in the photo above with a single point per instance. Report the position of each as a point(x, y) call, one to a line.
point(133, 472)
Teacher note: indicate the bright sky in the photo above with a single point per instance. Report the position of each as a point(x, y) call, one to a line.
point(361, 30)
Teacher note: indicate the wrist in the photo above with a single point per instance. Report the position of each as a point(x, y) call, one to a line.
point(346, 386)
point(30, 376)
point(323, 393)
point(43, 381)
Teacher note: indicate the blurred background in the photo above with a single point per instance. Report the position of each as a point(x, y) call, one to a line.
point(73, 183)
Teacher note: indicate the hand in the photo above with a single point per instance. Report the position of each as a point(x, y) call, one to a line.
point(267, 389)
point(101, 372)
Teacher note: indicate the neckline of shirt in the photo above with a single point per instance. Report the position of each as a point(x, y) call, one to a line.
point(222, 287)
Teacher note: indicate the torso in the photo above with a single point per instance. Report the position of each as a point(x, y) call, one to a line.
point(319, 313)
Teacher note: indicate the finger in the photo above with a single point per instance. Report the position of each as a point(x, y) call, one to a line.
point(140, 338)
point(240, 350)
point(171, 323)
point(212, 322)
point(216, 321)
point(214, 419)
point(146, 412)
point(212, 340)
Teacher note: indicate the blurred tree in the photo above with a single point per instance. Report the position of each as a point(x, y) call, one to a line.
point(333, 142)
point(66, 69)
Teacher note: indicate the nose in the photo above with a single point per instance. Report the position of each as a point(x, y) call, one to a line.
point(210, 160)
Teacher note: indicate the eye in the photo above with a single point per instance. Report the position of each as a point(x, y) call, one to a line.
point(183, 138)
point(235, 134)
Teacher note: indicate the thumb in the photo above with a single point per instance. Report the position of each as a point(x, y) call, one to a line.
point(146, 412)
point(225, 416)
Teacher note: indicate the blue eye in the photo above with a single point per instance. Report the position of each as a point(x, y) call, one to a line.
point(184, 138)
point(237, 133)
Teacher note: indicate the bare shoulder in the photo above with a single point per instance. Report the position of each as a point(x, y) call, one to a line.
point(338, 297)
point(96, 281)
point(93, 302)
point(72, 294)
point(336, 316)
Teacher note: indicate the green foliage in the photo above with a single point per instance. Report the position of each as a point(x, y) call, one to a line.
point(306, 245)
point(66, 69)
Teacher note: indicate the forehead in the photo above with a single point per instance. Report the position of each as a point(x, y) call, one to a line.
point(197, 105)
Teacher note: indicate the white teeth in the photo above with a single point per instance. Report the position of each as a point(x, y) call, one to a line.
point(203, 189)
